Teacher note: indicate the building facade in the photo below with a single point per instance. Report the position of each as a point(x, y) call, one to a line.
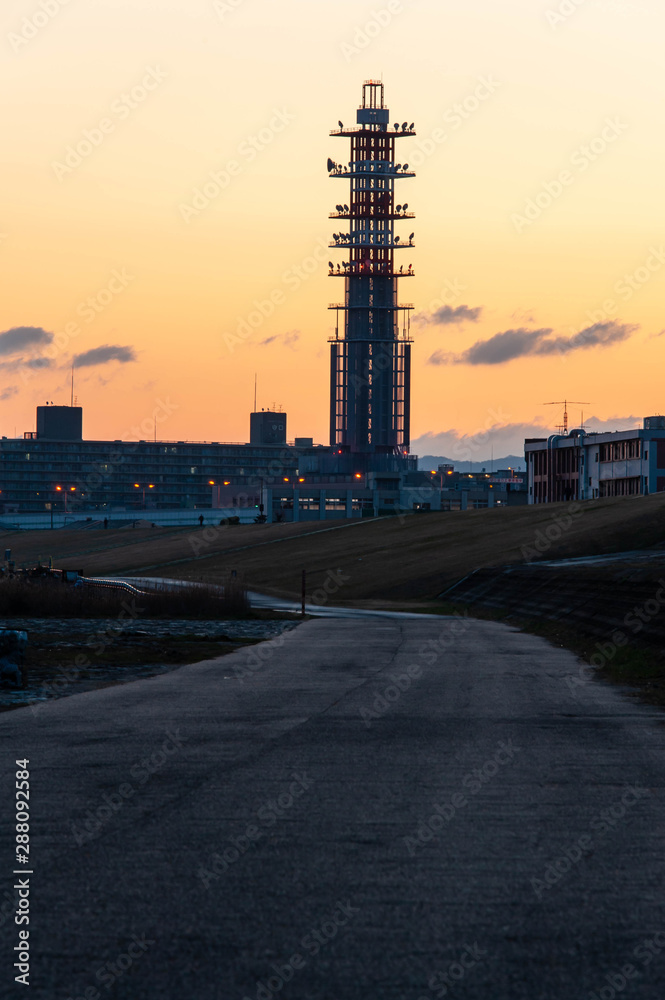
point(583, 466)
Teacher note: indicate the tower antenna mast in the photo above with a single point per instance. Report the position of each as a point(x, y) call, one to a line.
point(564, 403)
point(371, 354)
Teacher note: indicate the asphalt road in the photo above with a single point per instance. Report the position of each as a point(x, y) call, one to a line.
point(265, 601)
point(367, 810)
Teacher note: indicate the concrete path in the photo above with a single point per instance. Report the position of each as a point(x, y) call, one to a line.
point(361, 811)
point(267, 603)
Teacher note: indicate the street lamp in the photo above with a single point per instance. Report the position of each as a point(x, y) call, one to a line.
point(144, 487)
point(65, 490)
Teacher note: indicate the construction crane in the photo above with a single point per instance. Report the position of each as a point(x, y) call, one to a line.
point(564, 403)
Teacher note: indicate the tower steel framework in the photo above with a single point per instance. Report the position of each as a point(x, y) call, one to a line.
point(371, 357)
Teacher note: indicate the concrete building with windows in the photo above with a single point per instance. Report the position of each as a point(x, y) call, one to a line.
point(586, 466)
point(54, 471)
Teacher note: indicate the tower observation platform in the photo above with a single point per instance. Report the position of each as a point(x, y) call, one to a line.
point(371, 353)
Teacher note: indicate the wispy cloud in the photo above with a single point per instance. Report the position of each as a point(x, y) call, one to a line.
point(520, 343)
point(7, 393)
point(103, 355)
point(507, 438)
point(289, 339)
point(37, 363)
point(450, 316)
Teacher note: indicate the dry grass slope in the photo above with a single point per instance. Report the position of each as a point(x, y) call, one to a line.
point(413, 557)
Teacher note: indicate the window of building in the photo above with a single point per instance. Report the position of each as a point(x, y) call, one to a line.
point(621, 487)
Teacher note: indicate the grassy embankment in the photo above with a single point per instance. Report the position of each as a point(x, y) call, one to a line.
point(390, 562)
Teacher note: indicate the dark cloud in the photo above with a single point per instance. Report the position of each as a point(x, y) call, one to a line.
point(495, 351)
point(598, 335)
point(285, 339)
point(10, 391)
point(447, 315)
point(39, 363)
point(21, 338)
point(102, 355)
point(520, 343)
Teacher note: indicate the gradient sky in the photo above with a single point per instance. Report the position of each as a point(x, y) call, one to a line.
point(534, 201)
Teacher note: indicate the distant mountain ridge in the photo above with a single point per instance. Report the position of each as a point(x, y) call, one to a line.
point(431, 462)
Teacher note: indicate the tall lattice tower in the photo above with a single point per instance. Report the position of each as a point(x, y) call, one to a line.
point(371, 355)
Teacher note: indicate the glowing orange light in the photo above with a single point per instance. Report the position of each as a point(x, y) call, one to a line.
point(227, 482)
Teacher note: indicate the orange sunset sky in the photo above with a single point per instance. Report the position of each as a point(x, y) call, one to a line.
point(540, 245)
